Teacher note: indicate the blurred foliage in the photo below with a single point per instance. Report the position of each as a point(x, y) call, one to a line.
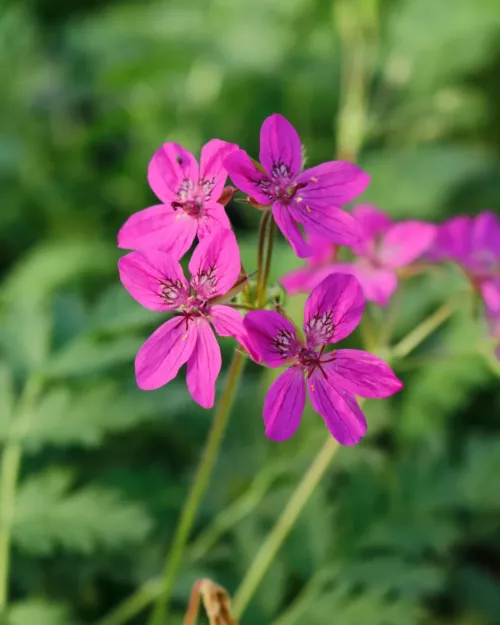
point(405, 528)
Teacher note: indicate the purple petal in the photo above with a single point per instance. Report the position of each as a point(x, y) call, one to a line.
point(158, 227)
point(377, 285)
point(203, 366)
point(324, 250)
point(272, 336)
point(284, 405)
point(333, 310)
point(326, 221)
point(372, 220)
point(229, 322)
point(163, 354)
point(332, 184)
point(339, 409)
point(290, 230)
point(453, 240)
point(247, 177)
point(170, 166)
point(362, 373)
point(306, 279)
point(485, 233)
point(490, 290)
point(280, 148)
point(154, 279)
point(215, 265)
point(213, 174)
point(214, 218)
point(226, 320)
point(405, 242)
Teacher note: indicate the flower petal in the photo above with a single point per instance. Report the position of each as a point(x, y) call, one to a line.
point(453, 240)
point(404, 242)
point(287, 225)
point(284, 405)
point(214, 218)
point(204, 366)
point(485, 233)
point(377, 285)
point(324, 250)
point(158, 227)
point(306, 279)
point(332, 184)
point(163, 354)
point(169, 168)
point(228, 322)
point(372, 220)
point(245, 175)
point(154, 279)
point(362, 373)
point(272, 336)
point(213, 174)
point(280, 147)
point(339, 409)
point(327, 221)
point(490, 290)
point(333, 310)
point(215, 264)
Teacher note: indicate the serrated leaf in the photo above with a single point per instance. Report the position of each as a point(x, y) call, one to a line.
point(49, 515)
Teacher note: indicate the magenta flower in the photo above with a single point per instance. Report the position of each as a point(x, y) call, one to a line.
point(189, 199)
point(155, 279)
point(332, 312)
point(474, 244)
point(384, 248)
point(311, 198)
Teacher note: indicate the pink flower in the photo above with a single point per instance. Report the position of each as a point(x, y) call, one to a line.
point(383, 250)
point(156, 280)
point(332, 312)
point(189, 199)
point(474, 243)
point(311, 198)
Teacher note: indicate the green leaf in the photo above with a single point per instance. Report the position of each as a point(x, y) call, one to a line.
point(116, 311)
point(53, 264)
point(87, 355)
point(40, 612)
point(64, 417)
point(49, 515)
point(7, 398)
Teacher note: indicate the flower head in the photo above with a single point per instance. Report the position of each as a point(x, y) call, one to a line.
point(385, 247)
point(156, 280)
point(311, 198)
point(332, 312)
point(474, 244)
point(189, 197)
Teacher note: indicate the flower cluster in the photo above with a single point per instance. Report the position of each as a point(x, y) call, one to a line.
point(307, 206)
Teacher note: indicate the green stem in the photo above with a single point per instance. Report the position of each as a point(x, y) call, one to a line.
point(267, 266)
point(198, 489)
point(280, 531)
point(260, 251)
point(9, 474)
point(423, 330)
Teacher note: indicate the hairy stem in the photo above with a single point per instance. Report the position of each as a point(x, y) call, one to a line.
point(198, 488)
point(285, 523)
point(9, 474)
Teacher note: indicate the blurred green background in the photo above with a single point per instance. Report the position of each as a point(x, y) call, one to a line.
point(405, 528)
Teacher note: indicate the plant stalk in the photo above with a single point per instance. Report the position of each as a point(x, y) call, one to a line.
point(197, 491)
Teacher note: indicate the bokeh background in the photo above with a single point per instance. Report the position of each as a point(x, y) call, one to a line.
point(405, 528)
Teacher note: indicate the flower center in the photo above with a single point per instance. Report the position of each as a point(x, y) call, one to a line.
point(193, 208)
point(280, 186)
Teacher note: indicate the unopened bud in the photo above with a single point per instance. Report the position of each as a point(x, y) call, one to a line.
point(226, 195)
